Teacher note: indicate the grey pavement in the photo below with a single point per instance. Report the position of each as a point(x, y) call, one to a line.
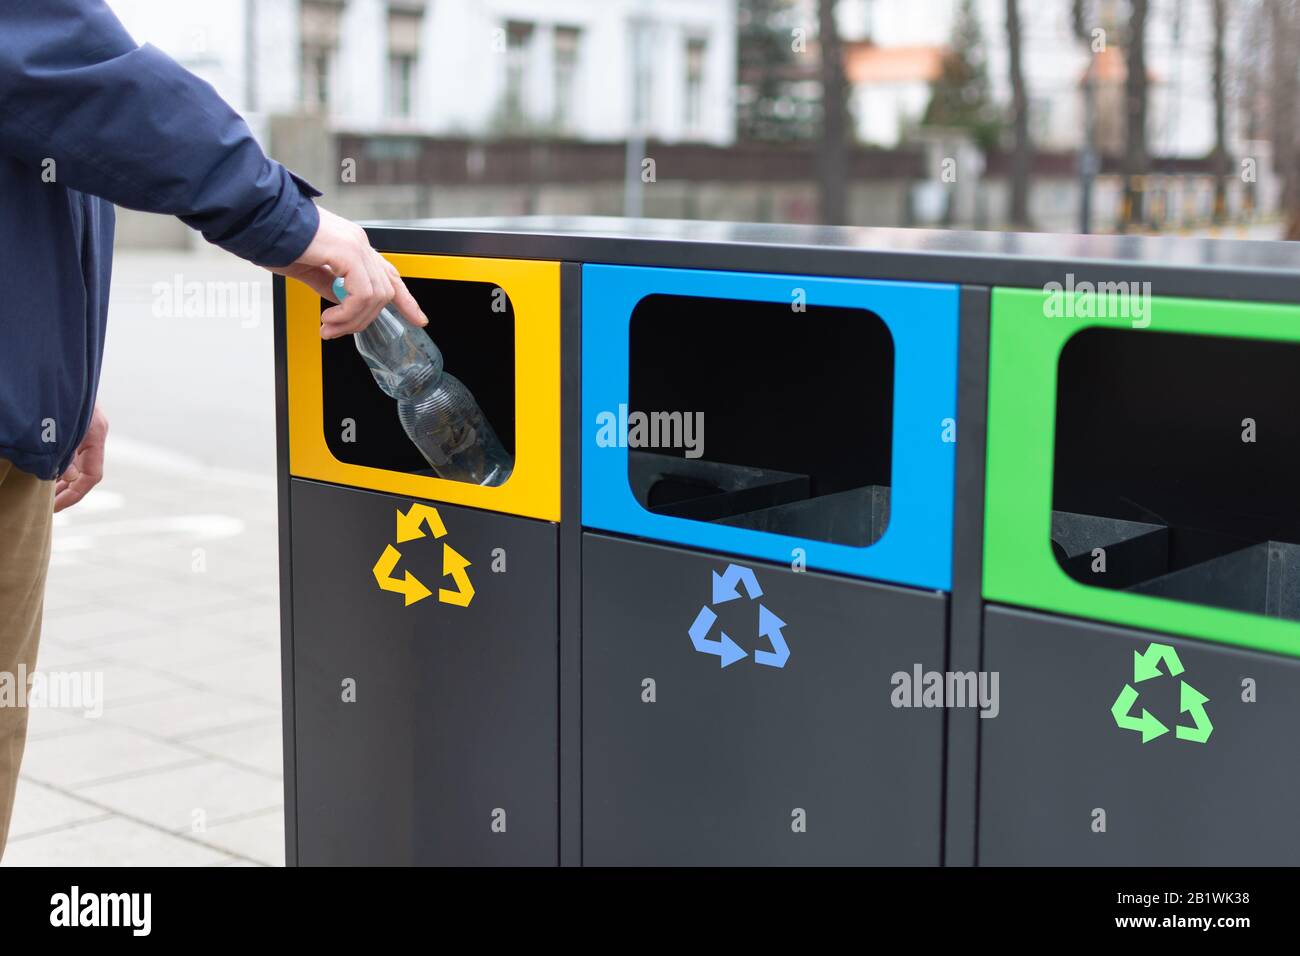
point(164, 584)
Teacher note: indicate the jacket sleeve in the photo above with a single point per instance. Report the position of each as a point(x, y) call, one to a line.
point(129, 124)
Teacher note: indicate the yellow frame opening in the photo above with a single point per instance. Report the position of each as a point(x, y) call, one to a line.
point(533, 489)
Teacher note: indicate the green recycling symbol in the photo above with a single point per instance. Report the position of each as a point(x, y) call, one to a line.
point(1191, 701)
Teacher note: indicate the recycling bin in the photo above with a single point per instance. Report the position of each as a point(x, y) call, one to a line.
point(425, 731)
point(767, 466)
point(497, 323)
point(747, 600)
point(421, 614)
point(1104, 753)
point(1140, 544)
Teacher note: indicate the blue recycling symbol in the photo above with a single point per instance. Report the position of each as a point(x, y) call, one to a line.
point(725, 588)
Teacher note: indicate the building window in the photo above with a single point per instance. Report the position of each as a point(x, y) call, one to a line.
point(1040, 118)
point(566, 71)
point(319, 33)
point(401, 86)
point(403, 58)
point(519, 40)
point(696, 48)
point(316, 83)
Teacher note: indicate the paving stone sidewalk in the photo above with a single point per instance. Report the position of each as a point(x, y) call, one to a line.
point(168, 590)
point(164, 583)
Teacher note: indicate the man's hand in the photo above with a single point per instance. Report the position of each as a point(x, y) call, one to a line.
point(87, 466)
point(340, 248)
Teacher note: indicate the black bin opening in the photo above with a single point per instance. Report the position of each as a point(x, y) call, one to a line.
point(763, 416)
point(473, 324)
point(1177, 468)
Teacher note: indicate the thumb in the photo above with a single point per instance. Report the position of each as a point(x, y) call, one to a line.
point(320, 279)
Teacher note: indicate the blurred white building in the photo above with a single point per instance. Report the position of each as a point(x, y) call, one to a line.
point(894, 49)
point(591, 69)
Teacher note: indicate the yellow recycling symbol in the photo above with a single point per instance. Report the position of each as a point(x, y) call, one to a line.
point(409, 527)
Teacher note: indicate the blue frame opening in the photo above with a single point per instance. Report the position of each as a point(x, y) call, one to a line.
point(922, 319)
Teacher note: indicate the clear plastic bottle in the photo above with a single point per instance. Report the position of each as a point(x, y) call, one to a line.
point(437, 411)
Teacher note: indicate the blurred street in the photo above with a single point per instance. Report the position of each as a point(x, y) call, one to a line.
point(164, 580)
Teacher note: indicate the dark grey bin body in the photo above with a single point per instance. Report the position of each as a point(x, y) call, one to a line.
point(1054, 754)
point(493, 714)
point(454, 721)
point(715, 770)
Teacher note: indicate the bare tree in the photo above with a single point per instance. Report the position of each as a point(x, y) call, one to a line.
point(1250, 69)
point(833, 152)
point(1082, 20)
point(1022, 148)
point(1136, 157)
point(1219, 13)
point(1283, 88)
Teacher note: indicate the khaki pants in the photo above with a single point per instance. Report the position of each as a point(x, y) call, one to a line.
point(26, 506)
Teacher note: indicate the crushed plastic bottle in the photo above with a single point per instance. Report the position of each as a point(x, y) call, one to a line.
point(437, 411)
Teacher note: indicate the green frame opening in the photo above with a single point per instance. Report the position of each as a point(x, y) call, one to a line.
point(1030, 328)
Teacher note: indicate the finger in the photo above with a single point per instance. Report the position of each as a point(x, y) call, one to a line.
point(345, 315)
point(406, 303)
point(356, 280)
point(92, 470)
point(73, 493)
point(320, 280)
point(381, 286)
point(335, 331)
point(90, 459)
point(66, 499)
point(383, 279)
point(381, 295)
point(358, 309)
point(336, 327)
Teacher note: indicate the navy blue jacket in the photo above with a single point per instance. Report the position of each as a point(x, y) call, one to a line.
point(89, 119)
